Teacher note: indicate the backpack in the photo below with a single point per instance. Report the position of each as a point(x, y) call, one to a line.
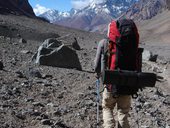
point(123, 45)
point(123, 52)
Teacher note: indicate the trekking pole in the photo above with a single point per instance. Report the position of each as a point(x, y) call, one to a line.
point(137, 121)
point(98, 99)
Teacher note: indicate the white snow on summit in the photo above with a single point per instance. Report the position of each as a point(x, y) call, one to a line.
point(113, 8)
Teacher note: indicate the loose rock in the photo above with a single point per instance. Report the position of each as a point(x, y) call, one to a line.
point(46, 122)
point(22, 41)
point(1, 66)
point(35, 73)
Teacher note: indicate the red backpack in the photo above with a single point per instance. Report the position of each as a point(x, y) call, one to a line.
point(122, 55)
point(123, 60)
point(123, 46)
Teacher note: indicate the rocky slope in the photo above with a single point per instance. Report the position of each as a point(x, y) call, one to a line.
point(168, 4)
point(33, 96)
point(144, 10)
point(156, 31)
point(141, 11)
point(154, 12)
point(18, 7)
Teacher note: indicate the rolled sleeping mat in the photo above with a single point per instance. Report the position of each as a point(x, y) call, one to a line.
point(129, 78)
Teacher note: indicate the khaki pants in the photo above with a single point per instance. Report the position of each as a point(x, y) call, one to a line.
point(123, 105)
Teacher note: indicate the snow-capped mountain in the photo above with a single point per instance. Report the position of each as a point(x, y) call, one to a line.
point(98, 12)
point(96, 16)
point(110, 7)
point(53, 15)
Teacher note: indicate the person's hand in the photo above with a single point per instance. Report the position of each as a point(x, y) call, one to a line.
point(98, 75)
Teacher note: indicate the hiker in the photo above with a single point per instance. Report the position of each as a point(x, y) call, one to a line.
point(111, 96)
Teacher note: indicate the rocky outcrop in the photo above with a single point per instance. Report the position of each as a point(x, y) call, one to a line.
point(17, 7)
point(145, 9)
point(168, 4)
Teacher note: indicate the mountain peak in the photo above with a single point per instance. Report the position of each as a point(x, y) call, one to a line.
point(98, 12)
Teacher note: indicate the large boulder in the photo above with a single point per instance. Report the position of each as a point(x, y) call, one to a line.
point(54, 52)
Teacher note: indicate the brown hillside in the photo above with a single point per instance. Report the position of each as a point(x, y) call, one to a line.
point(159, 25)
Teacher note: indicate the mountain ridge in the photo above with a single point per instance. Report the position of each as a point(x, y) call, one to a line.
point(93, 15)
point(90, 20)
point(144, 10)
point(17, 7)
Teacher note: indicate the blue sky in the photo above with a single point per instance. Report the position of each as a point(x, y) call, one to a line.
point(63, 5)
point(41, 6)
point(44, 5)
